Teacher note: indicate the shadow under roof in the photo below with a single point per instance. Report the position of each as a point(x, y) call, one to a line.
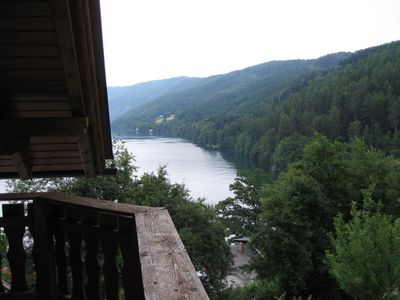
point(53, 96)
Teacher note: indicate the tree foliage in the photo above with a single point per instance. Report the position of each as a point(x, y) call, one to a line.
point(366, 253)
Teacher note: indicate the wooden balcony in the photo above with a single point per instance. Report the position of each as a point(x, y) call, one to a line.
point(90, 249)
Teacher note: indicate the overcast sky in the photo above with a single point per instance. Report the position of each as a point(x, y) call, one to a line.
point(156, 39)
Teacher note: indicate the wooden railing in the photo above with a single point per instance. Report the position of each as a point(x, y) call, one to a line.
point(80, 248)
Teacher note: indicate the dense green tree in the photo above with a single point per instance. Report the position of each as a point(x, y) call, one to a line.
point(366, 253)
point(240, 213)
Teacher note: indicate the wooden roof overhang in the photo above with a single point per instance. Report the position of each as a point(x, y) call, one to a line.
point(53, 98)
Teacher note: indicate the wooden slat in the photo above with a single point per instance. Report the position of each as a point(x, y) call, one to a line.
point(38, 97)
point(33, 75)
point(56, 161)
point(16, 254)
point(27, 23)
point(22, 164)
point(7, 169)
point(37, 149)
point(44, 245)
point(13, 127)
point(39, 106)
point(54, 154)
point(58, 213)
point(75, 239)
point(40, 114)
point(59, 167)
point(52, 140)
point(24, 8)
point(131, 271)
point(37, 86)
point(26, 37)
point(30, 64)
point(93, 290)
point(110, 269)
point(86, 151)
point(67, 44)
point(29, 51)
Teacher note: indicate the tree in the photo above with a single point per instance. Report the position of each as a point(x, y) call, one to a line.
point(240, 214)
point(366, 253)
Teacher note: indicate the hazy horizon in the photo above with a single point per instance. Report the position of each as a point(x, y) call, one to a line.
point(153, 39)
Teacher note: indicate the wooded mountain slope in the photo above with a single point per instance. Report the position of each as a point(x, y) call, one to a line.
point(266, 113)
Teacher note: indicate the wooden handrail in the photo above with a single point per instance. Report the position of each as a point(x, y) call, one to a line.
point(104, 206)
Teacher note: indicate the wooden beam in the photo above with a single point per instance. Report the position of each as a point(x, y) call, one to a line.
point(67, 46)
point(22, 165)
point(25, 127)
point(87, 151)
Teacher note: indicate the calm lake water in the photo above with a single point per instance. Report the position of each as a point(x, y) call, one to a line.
point(204, 172)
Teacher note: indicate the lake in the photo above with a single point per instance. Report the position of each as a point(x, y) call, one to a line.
point(204, 172)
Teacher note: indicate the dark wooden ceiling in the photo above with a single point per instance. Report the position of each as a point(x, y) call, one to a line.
point(53, 99)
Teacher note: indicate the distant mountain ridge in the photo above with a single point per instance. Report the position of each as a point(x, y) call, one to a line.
point(123, 99)
point(232, 92)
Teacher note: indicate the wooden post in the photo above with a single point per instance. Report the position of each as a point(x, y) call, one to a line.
point(45, 267)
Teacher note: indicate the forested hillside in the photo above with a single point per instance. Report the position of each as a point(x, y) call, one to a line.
point(123, 99)
point(223, 96)
point(268, 112)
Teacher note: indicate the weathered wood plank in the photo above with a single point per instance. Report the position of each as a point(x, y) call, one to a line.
point(75, 238)
point(37, 86)
point(22, 51)
point(110, 250)
point(38, 106)
point(67, 167)
point(55, 154)
point(24, 8)
point(26, 37)
point(58, 213)
point(37, 140)
point(34, 75)
point(40, 114)
point(16, 254)
point(169, 268)
point(38, 97)
point(91, 219)
point(38, 149)
point(27, 23)
point(15, 63)
point(44, 245)
point(131, 271)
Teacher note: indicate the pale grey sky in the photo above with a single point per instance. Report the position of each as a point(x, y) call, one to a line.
point(155, 39)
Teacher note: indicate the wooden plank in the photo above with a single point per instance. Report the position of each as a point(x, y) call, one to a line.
point(53, 140)
point(16, 254)
point(40, 114)
point(60, 167)
point(72, 153)
point(27, 38)
point(131, 271)
point(33, 75)
point(168, 271)
point(18, 221)
point(38, 97)
point(13, 127)
point(22, 164)
point(47, 51)
point(37, 86)
point(56, 161)
point(24, 8)
point(110, 249)
point(30, 64)
point(37, 149)
point(44, 245)
point(87, 151)
point(65, 37)
point(91, 218)
point(39, 106)
point(27, 23)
